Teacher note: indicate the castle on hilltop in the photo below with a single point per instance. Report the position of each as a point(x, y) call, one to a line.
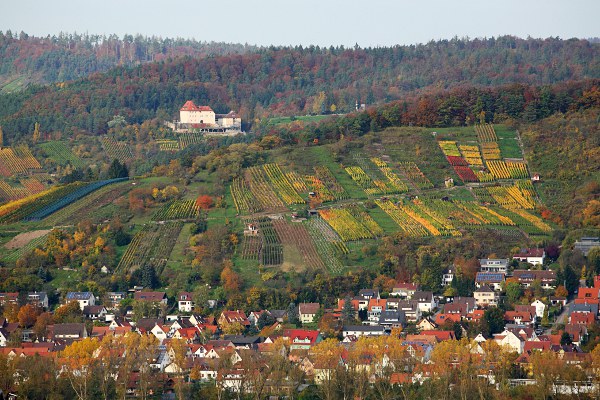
point(193, 118)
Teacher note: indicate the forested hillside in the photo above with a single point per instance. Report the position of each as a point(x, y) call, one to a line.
point(28, 59)
point(291, 81)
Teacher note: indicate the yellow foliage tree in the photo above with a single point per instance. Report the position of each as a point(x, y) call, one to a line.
point(36, 132)
point(77, 361)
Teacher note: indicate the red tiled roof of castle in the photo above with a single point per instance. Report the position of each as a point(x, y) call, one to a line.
point(190, 106)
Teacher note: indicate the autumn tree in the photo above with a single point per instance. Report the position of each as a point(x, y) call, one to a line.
point(36, 132)
point(77, 361)
point(327, 355)
point(229, 278)
point(177, 350)
point(1, 137)
point(70, 312)
point(139, 353)
point(204, 201)
point(28, 315)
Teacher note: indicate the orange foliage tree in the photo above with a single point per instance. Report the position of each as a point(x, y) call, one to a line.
point(204, 201)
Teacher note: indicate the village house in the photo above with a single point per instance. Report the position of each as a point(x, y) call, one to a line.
point(486, 296)
point(231, 317)
point(494, 265)
point(9, 298)
point(113, 299)
point(94, 312)
point(374, 309)
point(585, 244)
point(392, 319)
point(448, 276)
point(38, 299)
point(526, 277)
point(425, 300)
point(153, 297)
point(362, 330)
point(83, 298)
point(492, 279)
point(404, 290)
point(70, 331)
point(531, 256)
point(307, 312)
point(302, 339)
point(185, 302)
point(540, 308)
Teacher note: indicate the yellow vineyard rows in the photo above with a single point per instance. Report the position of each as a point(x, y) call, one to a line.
point(490, 151)
point(449, 148)
point(486, 133)
point(536, 221)
point(261, 189)
point(443, 225)
point(282, 185)
point(297, 182)
point(17, 160)
point(404, 221)
point(513, 196)
point(168, 145)
point(345, 225)
point(471, 154)
point(395, 181)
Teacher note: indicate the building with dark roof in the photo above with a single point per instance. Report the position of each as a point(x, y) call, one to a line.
point(492, 279)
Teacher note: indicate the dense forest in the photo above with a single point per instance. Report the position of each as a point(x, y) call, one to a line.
point(292, 81)
point(28, 59)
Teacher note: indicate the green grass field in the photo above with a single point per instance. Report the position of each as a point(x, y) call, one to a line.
point(302, 118)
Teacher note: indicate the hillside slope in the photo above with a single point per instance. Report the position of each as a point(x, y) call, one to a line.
point(292, 81)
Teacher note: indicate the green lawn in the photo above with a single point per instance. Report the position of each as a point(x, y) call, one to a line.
point(387, 224)
point(302, 118)
point(177, 257)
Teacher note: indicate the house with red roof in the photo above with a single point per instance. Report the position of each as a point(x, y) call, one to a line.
point(230, 317)
point(588, 293)
point(302, 339)
point(531, 256)
point(440, 336)
point(8, 298)
point(154, 297)
point(577, 332)
point(190, 113)
point(441, 319)
point(582, 318)
point(374, 309)
point(404, 290)
point(475, 315)
point(519, 317)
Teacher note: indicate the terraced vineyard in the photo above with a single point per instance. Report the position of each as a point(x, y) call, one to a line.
point(177, 209)
point(295, 234)
point(328, 244)
point(17, 160)
point(262, 191)
point(412, 172)
point(243, 199)
point(188, 139)
point(62, 154)
point(152, 245)
point(41, 205)
point(271, 250)
point(14, 255)
point(116, 149)
point(346, 225)
point(168, 145)
point(79, 210)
